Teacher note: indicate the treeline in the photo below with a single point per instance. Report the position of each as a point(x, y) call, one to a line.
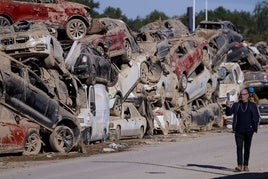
point(253, 26)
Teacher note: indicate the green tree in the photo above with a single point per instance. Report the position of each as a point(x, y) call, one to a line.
point(260, 15)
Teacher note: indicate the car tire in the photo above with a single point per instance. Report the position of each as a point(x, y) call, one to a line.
point(183, 82)
point(117, 108)
point(76, 29)
point(118, 133)
point(144, 70)
point(86, 136)
point(33, 144)
point(141, 134)
point(4, 21)
point(61, 139)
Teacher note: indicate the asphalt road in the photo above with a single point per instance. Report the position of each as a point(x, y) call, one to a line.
point(208, 156)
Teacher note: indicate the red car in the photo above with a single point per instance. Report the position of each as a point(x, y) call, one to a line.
point(185, 55)
point(72, 17)
point(112, 36)
point(18, 134)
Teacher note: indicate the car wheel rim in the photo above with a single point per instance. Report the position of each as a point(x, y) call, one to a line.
point(76, 29)
point(4, 21)
point(33, 144)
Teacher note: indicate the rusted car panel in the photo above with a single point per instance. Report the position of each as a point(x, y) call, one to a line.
point(186, 54)
point(167, 121)
point(16, 133)
point(115, 37)
point(201, 83)
point(231, 79)
point(26, 92)
point(129, 124)
point(59, 14)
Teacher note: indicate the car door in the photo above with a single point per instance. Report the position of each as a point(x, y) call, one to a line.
point(26, 10)
point(53, 11)
point(12, 135)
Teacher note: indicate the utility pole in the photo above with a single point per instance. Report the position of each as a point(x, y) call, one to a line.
point(193, 15)
point(206, 9)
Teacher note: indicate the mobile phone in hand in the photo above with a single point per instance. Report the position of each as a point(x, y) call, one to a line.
point(228, 96)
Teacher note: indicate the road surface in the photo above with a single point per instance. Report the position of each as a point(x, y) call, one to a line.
point(209, 156)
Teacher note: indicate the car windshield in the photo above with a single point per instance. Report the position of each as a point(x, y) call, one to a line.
point(210, 26)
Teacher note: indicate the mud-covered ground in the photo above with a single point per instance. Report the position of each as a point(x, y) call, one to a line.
point(9, 161)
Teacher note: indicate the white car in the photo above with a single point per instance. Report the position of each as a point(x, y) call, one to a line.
point(201, 83)
point(231, 81)
point(167, 121)
point(129, 124)
point(128, 78)
point(95, 114)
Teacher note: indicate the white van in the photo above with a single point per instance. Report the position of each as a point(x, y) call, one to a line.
point(95, 114)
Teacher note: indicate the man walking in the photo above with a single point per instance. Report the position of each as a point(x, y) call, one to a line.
point(245, 123)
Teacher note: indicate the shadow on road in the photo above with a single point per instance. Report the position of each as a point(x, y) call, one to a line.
point(210, 166)
point(246, 176)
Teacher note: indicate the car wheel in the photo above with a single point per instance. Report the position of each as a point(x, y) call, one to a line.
point(33, 144)
point(4, 21)
point(117, 108)
point(183, 82)
point(86, 136)
point(141, 134)
point(76, 29)
point(144, 70)
point(61, 139)
point(118, 133)
point(209, 92)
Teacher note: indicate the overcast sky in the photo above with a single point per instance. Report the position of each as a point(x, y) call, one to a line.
point(142, 8)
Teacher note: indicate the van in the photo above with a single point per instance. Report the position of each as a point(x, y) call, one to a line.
point(95, 114)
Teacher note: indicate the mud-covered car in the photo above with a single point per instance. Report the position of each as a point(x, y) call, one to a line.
point(201, 83)
point(129, 124)
point(112, 36)
point(23, 90)
point(18, 133)
point(231, 79)
point(170, 27)
point(207, 29)
point(26, 40)
point(167, 121)
point(241, 54)
point(154, 43)
point(89, 65)
point(205, 115)
point(185, 55)
point(72, 17)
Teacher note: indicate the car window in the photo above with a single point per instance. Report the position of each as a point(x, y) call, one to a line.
point(37, 82)
point(220, 41)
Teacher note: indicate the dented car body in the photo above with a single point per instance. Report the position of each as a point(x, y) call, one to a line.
point(23, 90)
point(185, 55)
point(72, 17)
point(113, 37)
point(17, 133)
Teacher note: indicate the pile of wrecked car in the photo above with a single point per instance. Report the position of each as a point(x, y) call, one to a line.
point(111, 82)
